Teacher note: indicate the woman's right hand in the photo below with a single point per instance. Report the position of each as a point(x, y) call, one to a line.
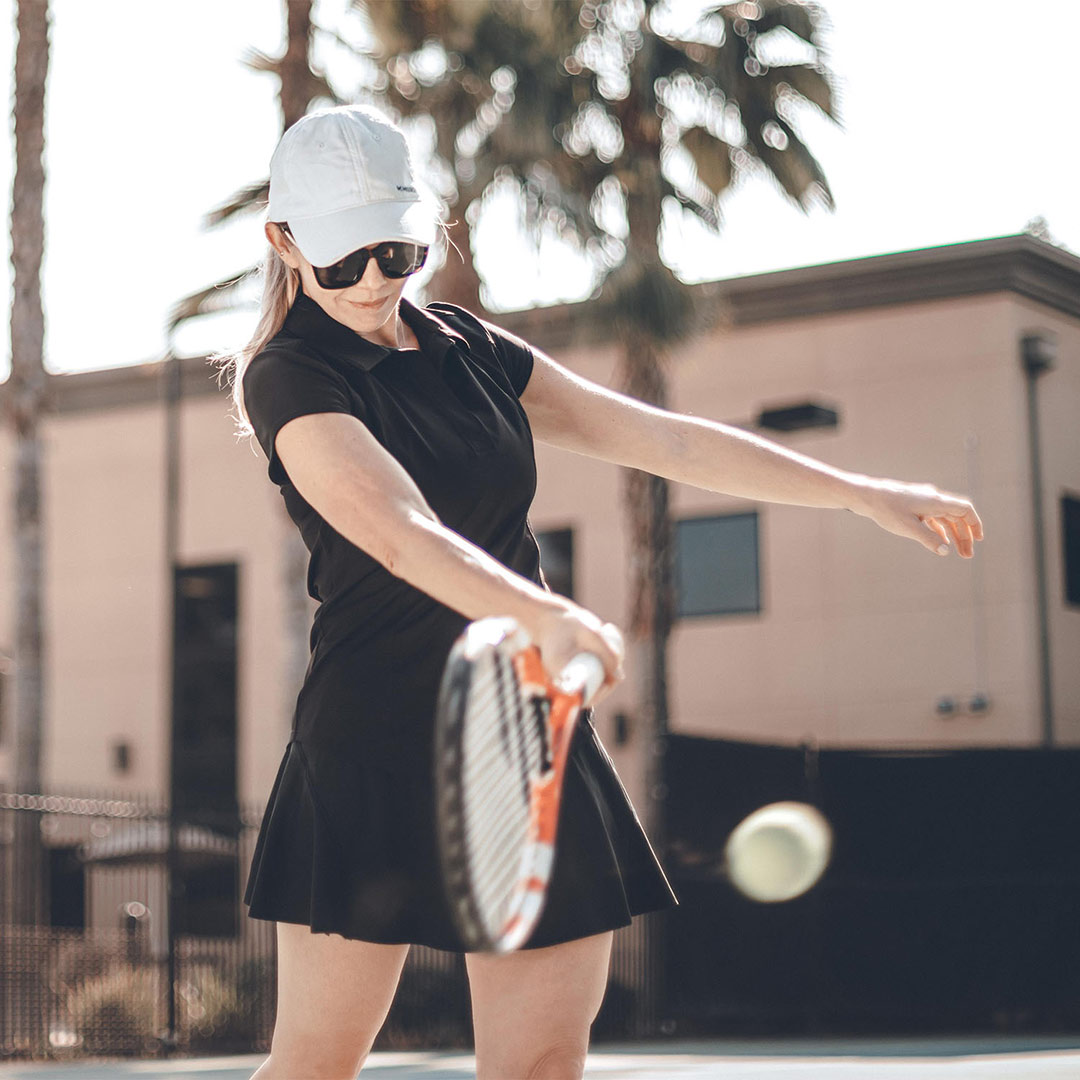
point(562, 629)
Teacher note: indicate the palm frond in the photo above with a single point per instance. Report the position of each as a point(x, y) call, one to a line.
point(568, 208)
point(358, 50)
point(403, 27)
point(795, 169)
point(218, 297)
point(712, 158)
point(810, 82)
point(711, 215)
point(643, 296)
point(694, 57)
point(257, 60)
point(670, 55)
point(316, 84)
point(249, 198)
point(803, 20)
point(579, 174)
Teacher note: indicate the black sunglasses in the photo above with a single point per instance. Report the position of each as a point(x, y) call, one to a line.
point(396, 259)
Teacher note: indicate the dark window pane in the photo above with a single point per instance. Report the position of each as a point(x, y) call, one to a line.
point(209, 897)
point(205, 664)
point(1070, 525)
point(204, 704)
point(716, 565)
point(67, 888)
point(557, 559)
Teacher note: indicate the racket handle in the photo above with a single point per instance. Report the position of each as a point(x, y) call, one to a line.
point(584, 674)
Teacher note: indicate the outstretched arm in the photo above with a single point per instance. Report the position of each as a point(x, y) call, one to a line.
point(576, 414)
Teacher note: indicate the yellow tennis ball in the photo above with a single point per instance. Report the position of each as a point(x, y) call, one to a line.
point(779, 851)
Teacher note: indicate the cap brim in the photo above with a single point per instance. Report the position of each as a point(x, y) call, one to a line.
point(326, 239)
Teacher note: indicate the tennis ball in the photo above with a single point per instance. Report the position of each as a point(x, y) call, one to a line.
point(779, 851)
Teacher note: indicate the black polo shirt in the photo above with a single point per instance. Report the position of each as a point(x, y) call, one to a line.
point(449, 412)
point(347, 843)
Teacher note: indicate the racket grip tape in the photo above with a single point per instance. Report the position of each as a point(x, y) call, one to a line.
point(584, 674)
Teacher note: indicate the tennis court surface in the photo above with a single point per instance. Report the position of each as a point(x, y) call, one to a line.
point(959, 1058)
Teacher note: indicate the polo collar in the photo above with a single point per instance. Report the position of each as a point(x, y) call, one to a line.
point(306, 319)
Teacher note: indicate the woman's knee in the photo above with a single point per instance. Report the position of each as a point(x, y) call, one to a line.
point(562, 1059)
point(533, 1009)
point(325, 1060)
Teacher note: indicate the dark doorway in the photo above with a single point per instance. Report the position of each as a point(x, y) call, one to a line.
point(204, 742)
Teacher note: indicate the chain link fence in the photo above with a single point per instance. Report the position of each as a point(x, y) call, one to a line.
point(84, 942)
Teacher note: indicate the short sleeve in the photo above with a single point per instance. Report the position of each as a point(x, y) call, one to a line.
point(514, 355)
point(282, 385)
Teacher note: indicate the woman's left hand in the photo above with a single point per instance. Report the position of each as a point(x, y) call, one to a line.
point(920, 511)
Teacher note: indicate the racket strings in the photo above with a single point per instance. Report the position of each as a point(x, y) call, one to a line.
point(505, 749)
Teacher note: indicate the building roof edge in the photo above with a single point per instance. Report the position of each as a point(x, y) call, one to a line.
point(1019, 263)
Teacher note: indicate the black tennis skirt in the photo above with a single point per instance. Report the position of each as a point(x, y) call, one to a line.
point(347, 843)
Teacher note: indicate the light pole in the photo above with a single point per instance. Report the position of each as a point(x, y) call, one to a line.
point(1037, 353)
point(172, 373)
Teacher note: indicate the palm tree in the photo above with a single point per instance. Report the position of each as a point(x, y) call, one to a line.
point(487, 47)
point(27, 401)
point(298, 86)
point(579, 101)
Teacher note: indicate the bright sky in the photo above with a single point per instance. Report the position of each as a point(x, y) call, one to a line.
point(955, 128)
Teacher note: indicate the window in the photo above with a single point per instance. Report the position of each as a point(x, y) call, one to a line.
point(210, 897)
point(67, 888)
point(205, 661)
point(1070, 546)
point(557, 559)
point(204, 681)
point(716, 565)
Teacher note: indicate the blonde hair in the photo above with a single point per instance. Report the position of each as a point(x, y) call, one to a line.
point(280, 285)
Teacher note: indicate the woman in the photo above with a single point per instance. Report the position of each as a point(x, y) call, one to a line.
point(401, 440)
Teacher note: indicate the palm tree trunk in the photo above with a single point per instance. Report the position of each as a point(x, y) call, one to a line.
point(457, 281)
point(651, 577)
point(295, 92)
point(643, 376)
point(649, 306)
point(27, 399)
point(641, 286)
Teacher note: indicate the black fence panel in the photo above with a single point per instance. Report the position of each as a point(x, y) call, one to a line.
point(950, 903)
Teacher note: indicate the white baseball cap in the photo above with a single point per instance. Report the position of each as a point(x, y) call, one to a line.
point(342, 178)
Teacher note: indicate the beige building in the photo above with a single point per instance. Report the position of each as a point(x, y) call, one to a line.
point(800, 622)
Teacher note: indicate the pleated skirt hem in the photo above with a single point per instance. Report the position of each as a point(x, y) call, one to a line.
point(368, 870)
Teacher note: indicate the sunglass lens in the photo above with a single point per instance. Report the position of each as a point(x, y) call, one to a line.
point(345, 272)
point(396, 259)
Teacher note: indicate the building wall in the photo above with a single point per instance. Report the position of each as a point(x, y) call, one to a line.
point(860, 632)
point(1058, 406)
point(107, 623)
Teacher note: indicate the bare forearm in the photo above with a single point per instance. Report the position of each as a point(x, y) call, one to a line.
point(719, 457)
point(457, 573)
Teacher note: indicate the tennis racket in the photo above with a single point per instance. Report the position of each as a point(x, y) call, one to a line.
point(502, 734)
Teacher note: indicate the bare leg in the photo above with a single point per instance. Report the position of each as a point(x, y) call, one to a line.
point(532, 1009)
point(333, 995)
